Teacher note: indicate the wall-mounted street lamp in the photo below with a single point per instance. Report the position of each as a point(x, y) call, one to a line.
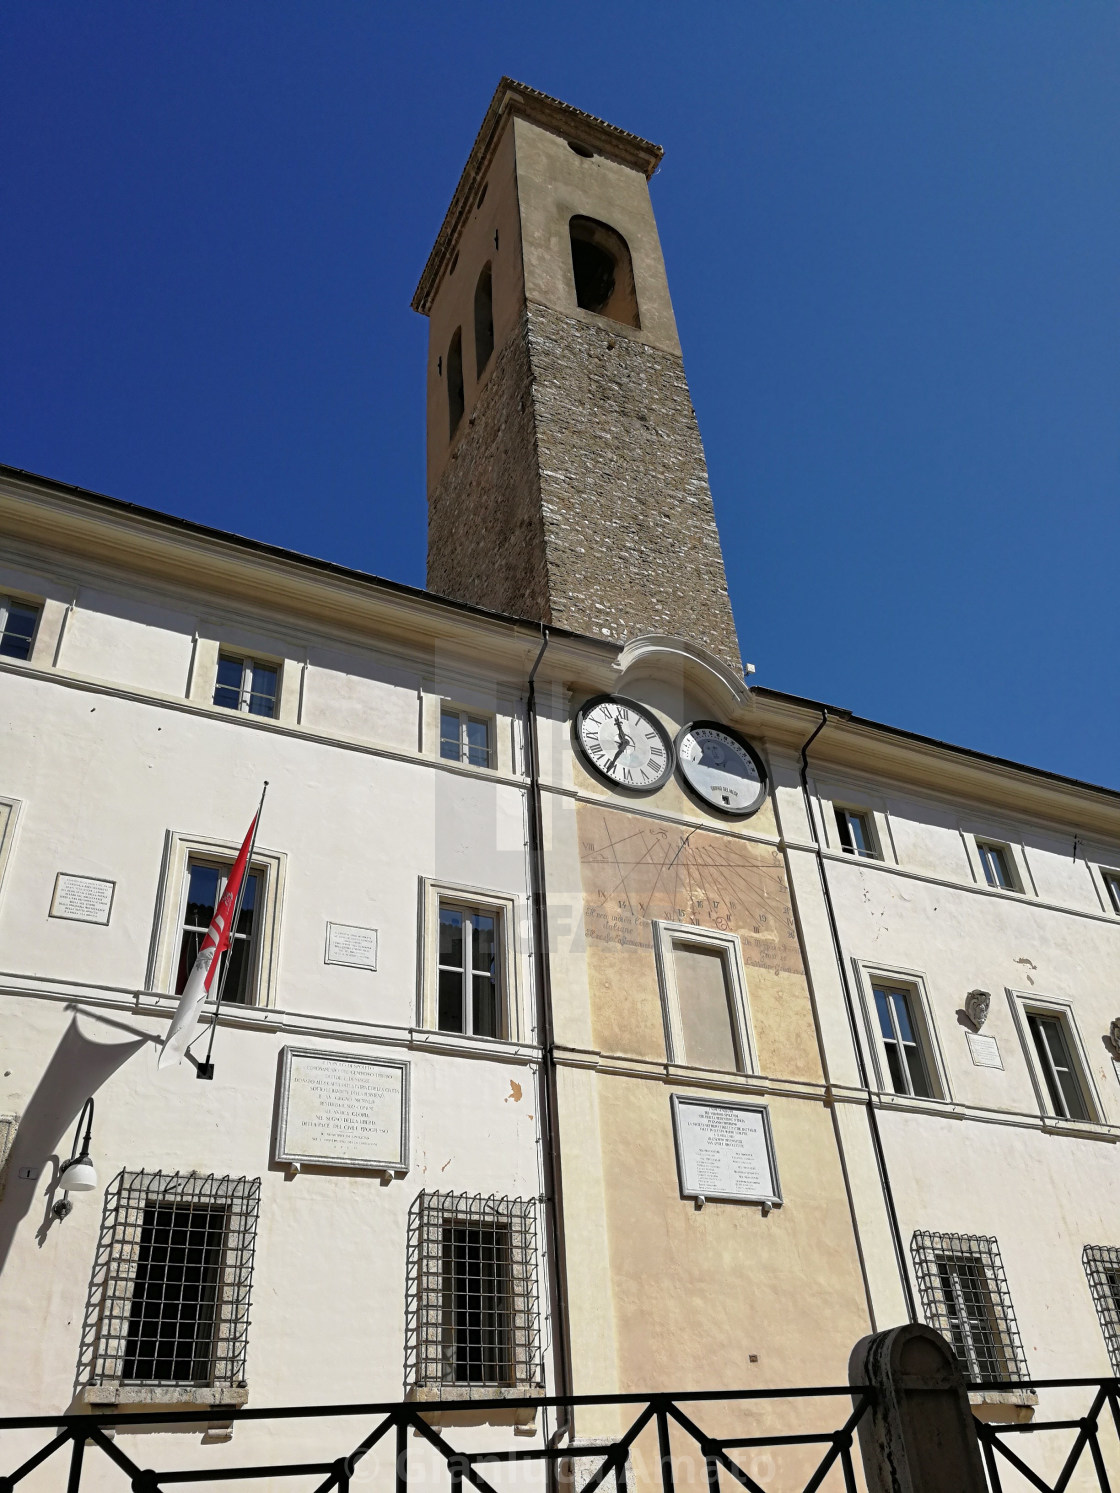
point(78, 1174)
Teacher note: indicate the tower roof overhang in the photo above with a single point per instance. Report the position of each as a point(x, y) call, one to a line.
point(512, 99)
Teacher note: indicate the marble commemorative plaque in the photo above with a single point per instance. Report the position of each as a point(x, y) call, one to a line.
point(349, 945)
point(725, 1150)
point(82, 899)
point(984, 1050)
point(338, 1110)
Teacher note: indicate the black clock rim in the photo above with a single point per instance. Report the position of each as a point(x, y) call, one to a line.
point(698, 797)
point(647, 714)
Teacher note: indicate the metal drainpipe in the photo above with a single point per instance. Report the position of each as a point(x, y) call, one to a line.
point(554, 1196)
point(849, 1005)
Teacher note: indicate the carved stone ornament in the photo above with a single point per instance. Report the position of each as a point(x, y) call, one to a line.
point(1114, 1033)
point(977, 1004)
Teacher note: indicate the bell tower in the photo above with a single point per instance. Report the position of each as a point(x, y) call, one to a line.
point(566, 476)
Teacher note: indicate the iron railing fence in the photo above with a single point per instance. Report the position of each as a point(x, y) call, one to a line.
point(664, 1441)
point(1066, 1448)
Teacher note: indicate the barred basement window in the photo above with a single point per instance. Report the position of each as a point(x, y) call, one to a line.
point(172, 1281)
point(965, 1297)
point(1102, 1266)
point(472, 1298)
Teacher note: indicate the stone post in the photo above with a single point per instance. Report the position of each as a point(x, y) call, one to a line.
point(918, 1436)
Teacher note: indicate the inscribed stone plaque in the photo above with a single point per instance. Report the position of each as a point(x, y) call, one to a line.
point(83, 899)
point(725, 1150)
point(337, 1110)
point(349, 945)
point(984, 1050)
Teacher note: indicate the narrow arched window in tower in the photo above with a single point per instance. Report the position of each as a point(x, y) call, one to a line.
point(483, 320)
point(455, 381)
point(603, 271)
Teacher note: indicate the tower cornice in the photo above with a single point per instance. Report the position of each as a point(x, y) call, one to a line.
point(512, 99)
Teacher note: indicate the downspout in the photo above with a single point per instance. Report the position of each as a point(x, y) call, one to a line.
point(554, 1193)
point(849, 1006)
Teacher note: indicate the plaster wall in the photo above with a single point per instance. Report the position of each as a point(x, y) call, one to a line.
point(988, 1156)
point(690, 1295)
point(328, 1306)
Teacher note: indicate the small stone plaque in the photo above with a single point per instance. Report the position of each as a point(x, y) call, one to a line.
point(82, 899)
point(984, 1050)
point(353, 946)
point(725, 1150)
point(338, 1110)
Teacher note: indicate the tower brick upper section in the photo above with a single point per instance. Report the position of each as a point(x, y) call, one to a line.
point(566, 475)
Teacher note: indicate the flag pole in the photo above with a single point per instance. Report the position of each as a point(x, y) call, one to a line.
point(206, 1069)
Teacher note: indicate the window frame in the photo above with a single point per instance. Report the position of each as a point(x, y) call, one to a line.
point(112, 1292)
point(9, 824)
point(430, 1214)
point(7, 602)
point(468, 911)
point(249, 663)
point(981, 836)
point(856, 797)
point(1099, 1261)
point(666, 937)
point(1106, 880)
point(170, 911)
point(868, 975)
point(508, 938)
point(466, 715)
point(1024, 1004)
point(223, 868)
point(871, 833)
point(929, 1250)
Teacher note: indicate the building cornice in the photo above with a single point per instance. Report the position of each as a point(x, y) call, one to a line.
point(926, 763)
point(93, 529)
point(516, 100)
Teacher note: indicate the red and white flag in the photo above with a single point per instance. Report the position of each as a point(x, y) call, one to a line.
point(214, 945)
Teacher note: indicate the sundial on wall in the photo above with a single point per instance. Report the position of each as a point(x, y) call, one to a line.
point(635, 870)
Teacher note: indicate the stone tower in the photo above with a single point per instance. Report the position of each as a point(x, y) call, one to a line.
point(566, 477)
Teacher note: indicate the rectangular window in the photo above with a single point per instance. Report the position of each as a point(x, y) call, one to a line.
point(206, 881)
point(896, 1008)
point(172, 1316)
point(1111, 881)
point(1059, 1067)
point(246, 685)
point(469, 997)
point(995, 859)
point(472, 1312)
point(965, 1297)
point(464, 737)
point(18, 620)
point(1102, 1267)
point(704, 998)
point(170, 1302)
point(853, 826)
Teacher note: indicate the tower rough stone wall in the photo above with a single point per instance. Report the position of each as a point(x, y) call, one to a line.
point(574, 491)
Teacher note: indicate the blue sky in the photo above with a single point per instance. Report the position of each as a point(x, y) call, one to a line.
point(892, 232)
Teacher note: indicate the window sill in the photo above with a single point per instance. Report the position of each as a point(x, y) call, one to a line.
point(151, 1399)
point(1003, 1406)
point(520, 1411)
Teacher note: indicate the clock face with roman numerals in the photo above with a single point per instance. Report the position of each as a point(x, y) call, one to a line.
point(624, 743)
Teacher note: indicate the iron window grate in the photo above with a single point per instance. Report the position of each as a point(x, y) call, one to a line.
point(965, 1297)
point(1102, 1266)
point(172, 1281)
point(472, 1312)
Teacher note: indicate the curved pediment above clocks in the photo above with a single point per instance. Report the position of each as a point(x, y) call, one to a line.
point(686, 665)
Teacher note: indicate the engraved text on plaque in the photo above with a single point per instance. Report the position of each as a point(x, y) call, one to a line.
point(337, 1110)
point(83, 899)
point(725, 1150)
